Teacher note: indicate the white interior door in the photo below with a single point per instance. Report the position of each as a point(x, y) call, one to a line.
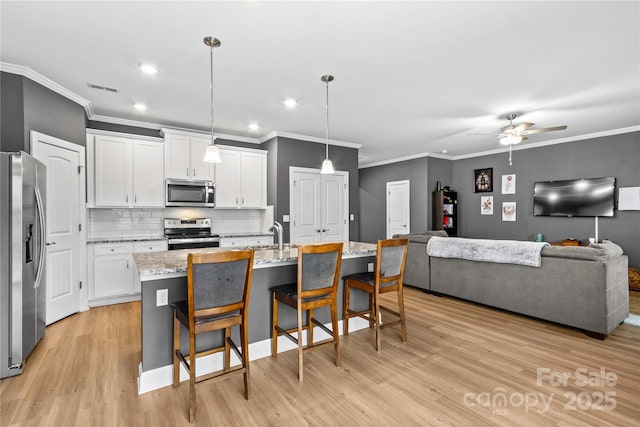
point(306, 226)
point(65, 240)
point(334, 207)
point(319, 206)
point(398, 208)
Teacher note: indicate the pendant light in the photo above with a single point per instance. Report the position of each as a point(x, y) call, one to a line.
point(327, 165)
point(212, 155)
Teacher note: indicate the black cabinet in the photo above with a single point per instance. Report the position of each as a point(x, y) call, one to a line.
point(445, 211)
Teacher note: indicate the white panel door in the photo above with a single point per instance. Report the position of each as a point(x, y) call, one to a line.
point(334, 213)
point(64, 245)
point(319, 206)
point(148, 174)
point(177, 157)
point(112, 171)
point(199, 169)
point(307, 214)
point(398, 208)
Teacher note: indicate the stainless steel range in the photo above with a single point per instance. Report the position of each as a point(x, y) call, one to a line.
point(190, 233)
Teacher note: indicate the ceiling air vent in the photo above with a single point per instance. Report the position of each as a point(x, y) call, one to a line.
point(105, 88)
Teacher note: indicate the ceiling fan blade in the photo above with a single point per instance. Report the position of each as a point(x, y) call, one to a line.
point(522, 127)
point(532, 131)
point(507, 129)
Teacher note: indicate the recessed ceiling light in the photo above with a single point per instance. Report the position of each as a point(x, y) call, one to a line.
point(148, 68)
point(253, 126)
point(290, 103)
point(139, 106)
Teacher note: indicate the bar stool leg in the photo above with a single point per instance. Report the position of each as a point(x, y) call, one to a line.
point(334, 328)
point(274, 323)
point(227, 349)
point(176, 347)
point(345, 308)
point(192, 378)
point(377, 320)
point(310, 327)
point(300, 352)
point(403, 327)
point(244, 339)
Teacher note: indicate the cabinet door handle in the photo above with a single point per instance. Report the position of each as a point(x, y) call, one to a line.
point(126, 196)
point(194, 172)
point(236, 200)
point(187, 171)
point(127, 265)
point(135, 198)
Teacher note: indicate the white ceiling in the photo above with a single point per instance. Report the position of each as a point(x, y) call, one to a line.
point(410, 77)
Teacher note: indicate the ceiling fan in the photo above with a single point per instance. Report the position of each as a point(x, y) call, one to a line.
point(514, 134)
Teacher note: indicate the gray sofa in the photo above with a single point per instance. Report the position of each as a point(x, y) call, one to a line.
point(583, 287)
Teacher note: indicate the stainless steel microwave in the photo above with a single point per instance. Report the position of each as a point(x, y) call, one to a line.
point(190, 193)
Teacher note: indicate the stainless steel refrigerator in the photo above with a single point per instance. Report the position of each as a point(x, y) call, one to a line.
point(22, 259)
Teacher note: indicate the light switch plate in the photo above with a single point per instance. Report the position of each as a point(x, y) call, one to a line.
point(352, 217)
point(285, 218)
point(370, 267)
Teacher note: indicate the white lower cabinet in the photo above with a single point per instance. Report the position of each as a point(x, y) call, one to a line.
point(112, 272)
point(243, 242)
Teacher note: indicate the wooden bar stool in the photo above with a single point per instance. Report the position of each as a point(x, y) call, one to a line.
point(218, 295)
point(317, 286)
point(387, 277)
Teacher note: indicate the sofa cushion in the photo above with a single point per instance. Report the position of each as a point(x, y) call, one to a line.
point(609, 247)
point(575, 252)
point(422, 237)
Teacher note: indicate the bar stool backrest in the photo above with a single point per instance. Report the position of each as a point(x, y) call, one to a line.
point(319, 267)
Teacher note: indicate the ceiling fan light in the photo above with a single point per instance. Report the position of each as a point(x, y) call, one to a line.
point(327, 167)
point(212, 155)
point(511, 139)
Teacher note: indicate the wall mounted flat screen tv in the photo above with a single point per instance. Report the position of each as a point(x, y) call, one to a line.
point(575, 197)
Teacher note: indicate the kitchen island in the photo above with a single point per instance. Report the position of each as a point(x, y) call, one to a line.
point(272, 267)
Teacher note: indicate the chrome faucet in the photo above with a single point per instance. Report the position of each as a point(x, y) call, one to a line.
point(277, 228)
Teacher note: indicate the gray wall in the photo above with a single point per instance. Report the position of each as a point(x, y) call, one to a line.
point(292, 152)
point(11, 113)
point(615, 156)
point(373, 199)
point(30, 106)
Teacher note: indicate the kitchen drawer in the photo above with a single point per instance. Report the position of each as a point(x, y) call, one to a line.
point(260, 241)
point(113, 249)
point(150, 246)
point(233, 242)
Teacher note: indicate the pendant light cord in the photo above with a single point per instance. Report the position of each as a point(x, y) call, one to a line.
point(211, 62)
point(327, 123)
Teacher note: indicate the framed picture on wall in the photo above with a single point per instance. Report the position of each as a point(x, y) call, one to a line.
point(486, 205)
point(509, 184)
point(483, 182)
point(508, 211)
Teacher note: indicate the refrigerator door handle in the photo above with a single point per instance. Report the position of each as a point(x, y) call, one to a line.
point(43, 237)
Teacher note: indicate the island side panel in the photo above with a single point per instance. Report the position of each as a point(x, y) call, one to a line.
point(157, 322)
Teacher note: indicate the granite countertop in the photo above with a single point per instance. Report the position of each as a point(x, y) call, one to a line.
point(96, 240)
point(153, 264)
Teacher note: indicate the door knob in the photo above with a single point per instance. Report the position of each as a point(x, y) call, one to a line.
point(325, 230)
point(318, 230)
point(52, 243)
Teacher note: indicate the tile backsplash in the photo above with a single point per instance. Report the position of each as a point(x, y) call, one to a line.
point(147, 223)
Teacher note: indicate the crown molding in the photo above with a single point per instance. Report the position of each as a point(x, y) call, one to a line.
point(191, 132)
point(405, 158)
point(48, 83)
point(576, 138)
point(91, 131)
point(308, 138)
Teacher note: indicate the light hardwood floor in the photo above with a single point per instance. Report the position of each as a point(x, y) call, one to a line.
point(458, 355)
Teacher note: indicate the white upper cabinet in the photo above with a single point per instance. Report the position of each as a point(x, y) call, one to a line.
point(184, 152)
point(241, 178)
point(124, 171)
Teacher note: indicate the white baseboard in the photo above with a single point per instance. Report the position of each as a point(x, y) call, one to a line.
point(163, 376)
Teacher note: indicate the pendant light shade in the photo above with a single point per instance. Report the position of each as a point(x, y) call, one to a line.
point(327, 165)
point(212, 155)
